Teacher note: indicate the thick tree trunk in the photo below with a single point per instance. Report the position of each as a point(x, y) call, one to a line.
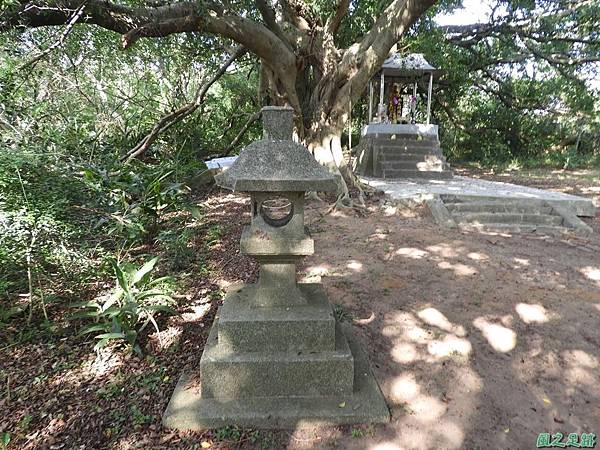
point(301, 64)
point(326, 146)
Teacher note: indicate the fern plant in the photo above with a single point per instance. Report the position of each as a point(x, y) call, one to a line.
point(131, 307)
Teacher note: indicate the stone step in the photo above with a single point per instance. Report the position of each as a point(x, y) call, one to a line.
point(409, 142)
point(498, 207)
point(405, 137)
point(513, 228)
point(506, 218)
point(243, 327)
point(413, 165)
point(413, 152)
point(401, 156)
point(408, 148)
point(228, 375)
point(404, 173)
point(465, 198)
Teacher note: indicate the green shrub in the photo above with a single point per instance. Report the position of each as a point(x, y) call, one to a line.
point(130, 308)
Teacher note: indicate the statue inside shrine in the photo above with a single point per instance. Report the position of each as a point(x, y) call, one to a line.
point(413, 109)
point(395, 105)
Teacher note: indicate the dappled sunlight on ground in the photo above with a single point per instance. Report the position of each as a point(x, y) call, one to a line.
point(501, 338)
point(592, 273)
point(476, 256)
point(166, 339)
point(355, 265)
point(582, 368)
point(413, 253)
point(473, 337)
point(532, 313)
point(432, 316)
point(521, 262)
point(459, 269)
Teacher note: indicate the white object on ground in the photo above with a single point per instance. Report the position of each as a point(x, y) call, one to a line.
point(220, 163)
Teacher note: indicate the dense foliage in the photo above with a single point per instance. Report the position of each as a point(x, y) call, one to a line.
point(517, 89)
point(68, 203)
point(522, 88)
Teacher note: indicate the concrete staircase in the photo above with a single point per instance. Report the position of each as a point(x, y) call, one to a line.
point(505, 214)
point(409, 156)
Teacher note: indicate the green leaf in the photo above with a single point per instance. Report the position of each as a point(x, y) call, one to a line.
point(85, 315)
point(88, 304)
point(131, 336)
point(94, 328)
point(137, 349)
point(145, 269)
point(5, 439)
point(160, 280)
point(195, 212)
point(151, 319)
point(101, 343)
point(112, 299)
point(111, 336)
point(121, 280)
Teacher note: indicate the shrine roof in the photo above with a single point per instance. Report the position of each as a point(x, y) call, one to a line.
point(411, 65)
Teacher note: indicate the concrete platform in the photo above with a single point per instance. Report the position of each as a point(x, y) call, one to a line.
point(188, 410)
point(421, 190)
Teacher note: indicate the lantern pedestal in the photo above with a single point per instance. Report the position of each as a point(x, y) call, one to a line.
point(189, 409)
point(275, 356)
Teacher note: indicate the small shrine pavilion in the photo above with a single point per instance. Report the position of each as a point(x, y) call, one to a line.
point(399, 140)
point(405, 74)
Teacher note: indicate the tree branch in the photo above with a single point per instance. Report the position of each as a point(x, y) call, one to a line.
point(241, 133)
point(70, 24)
point(294, 13)
point(136, 22)
point(335, 21)
point(168, 120)
point(362, 60)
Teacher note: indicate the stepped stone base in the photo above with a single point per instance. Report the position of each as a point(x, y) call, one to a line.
point(255, 374)
point(402, 156)
point(189, 409)
point(504, 215)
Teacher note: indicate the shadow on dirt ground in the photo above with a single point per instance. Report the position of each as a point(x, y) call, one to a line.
point(477, 340)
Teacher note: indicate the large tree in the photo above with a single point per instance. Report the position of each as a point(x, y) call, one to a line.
point(304, 62)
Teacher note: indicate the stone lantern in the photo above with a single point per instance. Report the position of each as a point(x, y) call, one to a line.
point(276, 357)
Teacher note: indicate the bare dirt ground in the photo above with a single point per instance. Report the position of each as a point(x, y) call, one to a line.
point(477, 340)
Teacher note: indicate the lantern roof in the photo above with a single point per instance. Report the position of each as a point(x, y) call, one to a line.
point(276, 163)
point(411, 65)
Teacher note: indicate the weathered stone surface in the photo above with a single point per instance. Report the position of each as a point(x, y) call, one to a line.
point(277, 286)
point(244, 327)
point(510, 215)
point(440, 214)
point(241, 375)
point(188, 410)
point(474, 189)
point(570, 219)
point(276, 165)
point(256, 242)
point(278, 122)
